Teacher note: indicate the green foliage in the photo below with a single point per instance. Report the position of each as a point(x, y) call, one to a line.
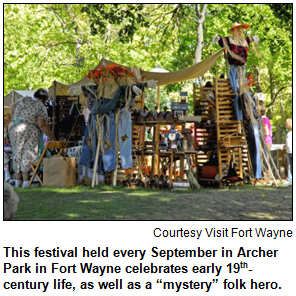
point(129, 16)
point(46, 42)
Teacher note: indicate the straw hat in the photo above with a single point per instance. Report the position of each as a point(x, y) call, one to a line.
point(236, 26)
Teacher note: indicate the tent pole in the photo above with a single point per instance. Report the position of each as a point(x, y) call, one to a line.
point(158, 98)
point(54, 105)
point(13, 97)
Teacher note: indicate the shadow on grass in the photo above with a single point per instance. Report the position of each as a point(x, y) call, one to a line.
point(116, 203)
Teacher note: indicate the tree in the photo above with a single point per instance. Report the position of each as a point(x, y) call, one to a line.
point(43, 42)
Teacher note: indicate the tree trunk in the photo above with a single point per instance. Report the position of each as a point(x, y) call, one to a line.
point(200, 18)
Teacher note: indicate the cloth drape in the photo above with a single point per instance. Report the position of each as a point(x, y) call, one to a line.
point(109, 153)
point(125, 139)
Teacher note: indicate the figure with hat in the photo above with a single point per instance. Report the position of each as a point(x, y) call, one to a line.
point(109, 128)
point(236, 47)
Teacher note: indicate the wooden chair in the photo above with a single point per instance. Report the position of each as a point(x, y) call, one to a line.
point(36, 166)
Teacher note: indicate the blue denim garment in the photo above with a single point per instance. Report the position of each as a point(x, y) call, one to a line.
point(125, 139)
point(110, 155)
point(290, 167)
point(233, 79)
point(88, 156)
point(254, 150)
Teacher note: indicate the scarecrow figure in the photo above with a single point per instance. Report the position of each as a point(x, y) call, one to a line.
point(236, 47)
point(109, 127)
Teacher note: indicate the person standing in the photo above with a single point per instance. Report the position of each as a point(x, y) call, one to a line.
point(29, 117)
point(289, 140)
point(267, 129)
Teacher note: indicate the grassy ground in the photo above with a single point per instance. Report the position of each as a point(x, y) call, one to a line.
point(116, 203)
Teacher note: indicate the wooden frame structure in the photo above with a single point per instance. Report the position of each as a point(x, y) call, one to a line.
point(225, 136)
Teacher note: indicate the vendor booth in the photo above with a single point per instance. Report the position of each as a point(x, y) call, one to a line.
point(115, 138)
point(17, 94)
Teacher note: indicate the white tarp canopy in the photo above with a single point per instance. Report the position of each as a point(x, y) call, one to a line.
point(61, 89)
point(17, 94)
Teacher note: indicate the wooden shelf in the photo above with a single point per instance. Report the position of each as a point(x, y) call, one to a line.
point(177, 153)
point(145, 123)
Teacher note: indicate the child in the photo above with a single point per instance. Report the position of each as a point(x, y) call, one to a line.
point(289, 150)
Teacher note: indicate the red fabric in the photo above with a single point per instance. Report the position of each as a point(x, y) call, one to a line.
point(237, 49)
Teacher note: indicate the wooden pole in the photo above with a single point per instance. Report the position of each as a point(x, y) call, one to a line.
point(226, 62)
point(275, 168)
point(54, 105)
point(268, 166)
point(171, 168)
point(158, 98)
point(218, 134)
point(156, 155)
point(93, 183)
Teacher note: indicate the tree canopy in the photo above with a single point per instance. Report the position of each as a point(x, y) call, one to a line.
point(46, 42)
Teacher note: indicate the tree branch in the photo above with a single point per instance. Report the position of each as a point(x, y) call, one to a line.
point(277, 93)
point(56, 15)
point(203, 13)
point(59, 43)
point(197, 11)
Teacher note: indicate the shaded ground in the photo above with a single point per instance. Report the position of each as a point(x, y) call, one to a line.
point(107, 203)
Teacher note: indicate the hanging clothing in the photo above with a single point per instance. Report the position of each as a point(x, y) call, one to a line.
point(254, 149)
point(249, 107)
point(124, 95)
point(234, 83)
point(89, 143)
point(24, 133)
point(109, 142)
point(123, 99)
point(125, 139)
point(104, 106)
point(90, 94)
point(237, 54)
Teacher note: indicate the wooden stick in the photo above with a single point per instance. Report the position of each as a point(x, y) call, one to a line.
point(275, 168)
point(96, 163)
point(171, 168)
point(269, 169)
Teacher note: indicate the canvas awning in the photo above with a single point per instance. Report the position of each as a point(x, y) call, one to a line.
point(17, 94)
point(185, 74)
point(162, 78)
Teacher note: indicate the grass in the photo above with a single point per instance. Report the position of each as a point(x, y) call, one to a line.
point(117, 203)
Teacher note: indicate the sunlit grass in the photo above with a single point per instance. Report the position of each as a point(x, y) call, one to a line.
point(118, 203)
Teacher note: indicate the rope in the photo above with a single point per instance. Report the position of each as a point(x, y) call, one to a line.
point(91, 130)
point(107, 131)
point(128, 97)
point(100, 129)
point(117, 116)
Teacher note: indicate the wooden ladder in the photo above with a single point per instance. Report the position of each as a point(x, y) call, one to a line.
point(231, 142)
